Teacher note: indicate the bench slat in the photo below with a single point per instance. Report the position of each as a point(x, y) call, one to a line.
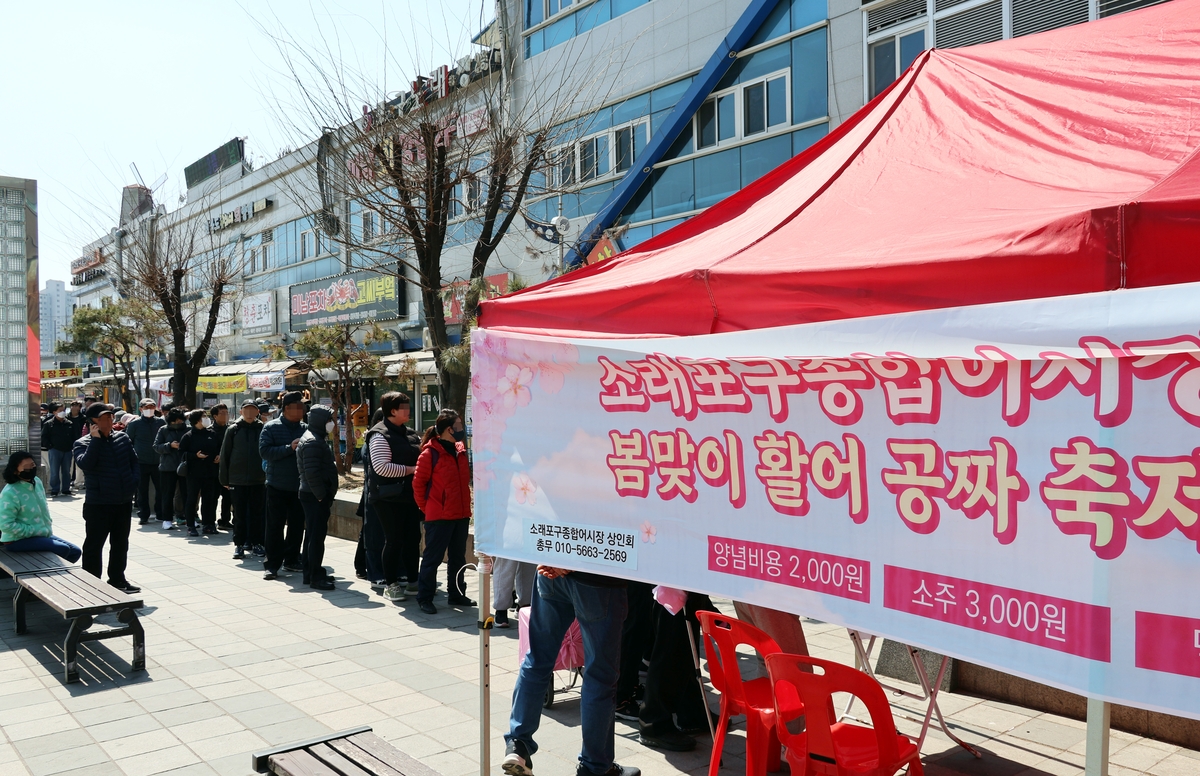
point(17, 563)
point(300, 763)
point(76, 588)
point(360, 756)
point(73, 592)
point(382, 750)
point(335, 760)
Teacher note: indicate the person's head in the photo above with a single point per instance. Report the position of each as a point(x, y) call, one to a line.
point(146, 407)
point(249, 411)
point(21, 467)
point(176, 416)
point(76, 408)
point(88, 401)
point(220, 414)
point(293, 406)
point(100, 415)
point(196, 419)
point(396, 407)
point(446, 427)
point(320, 420)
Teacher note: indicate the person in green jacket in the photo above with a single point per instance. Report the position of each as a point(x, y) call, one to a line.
point(24, 513)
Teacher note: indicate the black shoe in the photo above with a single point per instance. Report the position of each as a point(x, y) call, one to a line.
point(615, 770)
point(323, 584)
point(259, 551)
point(126, 587)
point(695, 729)
point(141, 520)
point(671, 740)
point(517, 761)
point(210, 529)
point(268, 574)
point(193, 532)
point(460, 600)
point(294, 568)
point(628, 711)
point(428, 607)
point(54, 494)
point(501, 619)
point(239, 553)
point(360, 574)
point(225, 525)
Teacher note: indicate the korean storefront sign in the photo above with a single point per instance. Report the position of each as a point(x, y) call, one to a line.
point(58, 374)
point(265, 381)
point(258, 314)
point(349, 298)
point(1029, 502)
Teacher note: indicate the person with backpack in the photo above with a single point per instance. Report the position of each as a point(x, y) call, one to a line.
point(318, 485)
point(442, 487)
point(241, 471)
point(393, 449)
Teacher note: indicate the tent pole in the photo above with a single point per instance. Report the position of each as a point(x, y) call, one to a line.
point(1096, 763)
point(486, 621)
point(699, 677)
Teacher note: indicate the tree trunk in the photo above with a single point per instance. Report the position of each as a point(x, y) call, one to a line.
point(454, 393)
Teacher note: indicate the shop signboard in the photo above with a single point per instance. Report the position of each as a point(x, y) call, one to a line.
point(351, 298)
point(222, 384)
point(267, 382)
point(59, 374)
point(258, 313)
point(454, 294)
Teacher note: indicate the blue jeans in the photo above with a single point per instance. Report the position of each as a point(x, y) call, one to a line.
point(60, 471)
point(601, 613)
point(60, 547)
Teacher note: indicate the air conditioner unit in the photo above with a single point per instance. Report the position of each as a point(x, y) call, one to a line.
point(222, 355)
point(426, 340)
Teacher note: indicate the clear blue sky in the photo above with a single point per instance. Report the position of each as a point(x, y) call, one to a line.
point(90, 87)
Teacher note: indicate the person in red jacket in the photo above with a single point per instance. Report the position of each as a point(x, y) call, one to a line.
point(442, 487)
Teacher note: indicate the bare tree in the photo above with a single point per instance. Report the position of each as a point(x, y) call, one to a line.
point(122, 332)
point(173, 264)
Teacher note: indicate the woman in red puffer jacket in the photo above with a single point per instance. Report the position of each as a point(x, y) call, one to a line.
point(442, 487)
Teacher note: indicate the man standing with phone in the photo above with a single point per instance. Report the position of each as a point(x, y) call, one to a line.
point(110, 466)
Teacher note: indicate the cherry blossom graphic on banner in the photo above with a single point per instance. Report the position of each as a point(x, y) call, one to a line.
point(1017, 485)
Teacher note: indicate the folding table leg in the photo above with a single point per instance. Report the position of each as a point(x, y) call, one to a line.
point(933, 691)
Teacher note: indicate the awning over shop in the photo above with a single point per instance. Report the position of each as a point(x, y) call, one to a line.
point(1053, 164)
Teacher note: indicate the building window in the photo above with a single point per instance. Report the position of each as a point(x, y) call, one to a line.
point(891, 56)
point(764, 106)
point(310, 244)
point(370, 225)
point(593, 158)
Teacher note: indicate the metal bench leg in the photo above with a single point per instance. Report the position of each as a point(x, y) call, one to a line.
point(71, 646)
point(19, 598)
point(130, 618)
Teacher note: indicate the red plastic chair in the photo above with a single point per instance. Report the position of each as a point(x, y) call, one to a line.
point(828, 747)
point(752, 698)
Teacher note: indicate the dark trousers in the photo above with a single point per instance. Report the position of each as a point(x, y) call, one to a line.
point(316, 527)
point(637, 637)
point(442, 536)
point(226, 502)
point(671, 686)
point(401, 556)
point(107, 522)
point(168, 481)
point(249, 502)
point(202, 495)
point(372, 543)
point(149, 475)
point(283, 511)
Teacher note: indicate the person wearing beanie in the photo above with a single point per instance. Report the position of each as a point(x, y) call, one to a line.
point(277, 445)
point(242, 472)
point(318, 485)
point(142, 432)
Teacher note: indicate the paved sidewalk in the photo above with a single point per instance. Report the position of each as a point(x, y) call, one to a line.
point(236, 663)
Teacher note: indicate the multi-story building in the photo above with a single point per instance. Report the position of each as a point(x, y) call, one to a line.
point(56, 303)
point(20, 388)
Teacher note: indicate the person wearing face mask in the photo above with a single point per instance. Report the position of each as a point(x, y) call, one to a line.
point(166, 444)
point(242, 472)
point(109, 463)
point(142, 431)
point(318, 485)
point(24, 514)
point(58, 436)
point(277, 445)
point(220, 418)
point(202, 450)
point(442, 487)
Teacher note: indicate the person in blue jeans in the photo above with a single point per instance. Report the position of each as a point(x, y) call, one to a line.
point(58, 436)
point(24, 514)
point(600, 605)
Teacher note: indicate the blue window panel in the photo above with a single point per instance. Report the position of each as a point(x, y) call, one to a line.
point(639, 141)
point(570, 206)
point(803, 138)
point(726, 117)
point(591, 198)
point(639, 207)
point(636, 235)
point(717, 176)
point(534, 13)
point(663, 226)
point(593, 16)
point(778, 23)
point(673, 190)
point(559, 32)
point(777, 101)
point(911, 46)
point(682, 145)
point(806, 12)
point(633, 108)
point(810, 77)
point(765, 61)
point(760, 158)
point(625, 6)
point(597, 122)
point(666, 96)
point(542, 209)
point(656, 120)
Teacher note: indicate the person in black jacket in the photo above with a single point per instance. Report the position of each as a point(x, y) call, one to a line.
point(220, 416)
point(75, 415)
point(166, 444)
point(142, 432)
point(277, 444)
point(58, 437)
point(241, 471)
point(110, 466)
point(202, 451)
point(392, 452)
point(318, 485)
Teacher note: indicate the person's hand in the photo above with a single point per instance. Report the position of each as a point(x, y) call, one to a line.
point(552, 572)
point(94, 433)
point(175, 445)
point(216, 459)
point(295, 442)
point(201, 455)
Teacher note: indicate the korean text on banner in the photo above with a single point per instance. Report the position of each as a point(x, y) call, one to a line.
point(223, 384)
point(265, 381)
point(1029, 503)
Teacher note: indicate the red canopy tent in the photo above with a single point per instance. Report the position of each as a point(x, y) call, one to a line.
point(1060, 163)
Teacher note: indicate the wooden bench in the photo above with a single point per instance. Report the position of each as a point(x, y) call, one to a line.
point(78, 596)
point(17, 563)
point(354, 752)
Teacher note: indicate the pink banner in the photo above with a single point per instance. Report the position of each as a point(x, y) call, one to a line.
point(1168, 643)
point(1054, 623)
point(816, 571)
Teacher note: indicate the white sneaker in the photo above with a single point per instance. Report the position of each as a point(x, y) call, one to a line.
point(168, 525)
point(378, 584)
point(395, 593)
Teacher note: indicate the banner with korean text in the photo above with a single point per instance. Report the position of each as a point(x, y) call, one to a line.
point(1016, 485)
